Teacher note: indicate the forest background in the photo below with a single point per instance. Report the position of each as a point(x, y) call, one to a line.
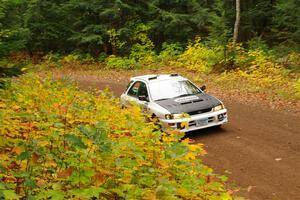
point(196, 35)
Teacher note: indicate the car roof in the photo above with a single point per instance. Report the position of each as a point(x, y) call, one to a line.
point(157, 77)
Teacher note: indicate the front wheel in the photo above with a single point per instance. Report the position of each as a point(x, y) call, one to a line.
point(218, 126)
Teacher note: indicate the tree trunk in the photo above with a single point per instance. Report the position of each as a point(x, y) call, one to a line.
point(237, 22)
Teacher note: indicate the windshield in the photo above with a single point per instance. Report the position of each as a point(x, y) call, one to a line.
point(172, 88)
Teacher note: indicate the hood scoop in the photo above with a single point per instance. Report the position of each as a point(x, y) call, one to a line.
point(198, 100)
point(184, 103)
point(190, 104)
point(186, 99)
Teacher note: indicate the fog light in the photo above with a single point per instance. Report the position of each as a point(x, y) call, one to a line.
point(221, 117)
point(180, 125)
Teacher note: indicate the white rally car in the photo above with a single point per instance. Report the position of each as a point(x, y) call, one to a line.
point(175, 101)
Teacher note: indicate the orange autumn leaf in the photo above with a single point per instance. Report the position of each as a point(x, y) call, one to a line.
point(9, 179)
point(13, 165)
point(65, 173)
point(34, 158)
point(98, 179)
point(17, 150)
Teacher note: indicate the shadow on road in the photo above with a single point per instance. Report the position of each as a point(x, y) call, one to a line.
point(205, 133)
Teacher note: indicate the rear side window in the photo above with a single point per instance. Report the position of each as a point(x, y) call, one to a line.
point(138, 89)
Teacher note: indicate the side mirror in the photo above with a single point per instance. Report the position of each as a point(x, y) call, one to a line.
point(143, 98)
point(203, 87)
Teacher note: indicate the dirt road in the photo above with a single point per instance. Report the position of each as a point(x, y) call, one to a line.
point(259, 149)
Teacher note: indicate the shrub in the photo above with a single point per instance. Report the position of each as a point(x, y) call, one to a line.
point(58, 142)
point(142, 50)
point(199, 57)
point(87, 58)
point(297, 87)
point(114, 62)
point(71, 58)
point(261, 73)
point(78, 58)
point(52, 60)
point(102, 56)
point(143, 54)
point(257, 43)
point(170, 51)
point(293, 61)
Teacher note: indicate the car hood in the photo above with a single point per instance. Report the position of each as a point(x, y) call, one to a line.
point(189, 104)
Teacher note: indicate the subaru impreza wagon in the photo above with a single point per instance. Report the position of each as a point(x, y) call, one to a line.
point(175, 101)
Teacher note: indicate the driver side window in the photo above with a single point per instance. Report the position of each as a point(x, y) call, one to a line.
point(143, 90)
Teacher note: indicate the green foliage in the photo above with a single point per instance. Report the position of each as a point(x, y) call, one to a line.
point(59, 142)
point(114, 40)
point(48, 25)
point(287, 22)
point(77, 58)
point(143, 49)
point(13, 36)
point(71, 58)
point(219, 29)
point(96, 26)
point(256, 20)
point(102, 56)
point(297, 87)
point(257, 43)
point(260, 73)
point(178, 21)
point(199, 57)
point(114, 62)
point(170, 51)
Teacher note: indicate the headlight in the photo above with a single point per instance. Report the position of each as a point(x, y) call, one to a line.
point(218, 107)
point(174, 116)
point(169, 116)
point(178, 116)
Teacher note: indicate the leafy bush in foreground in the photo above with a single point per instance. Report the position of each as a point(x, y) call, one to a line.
point(57, 142)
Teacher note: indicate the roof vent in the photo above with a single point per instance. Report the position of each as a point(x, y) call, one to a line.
point(174, 75)
point(152, 78)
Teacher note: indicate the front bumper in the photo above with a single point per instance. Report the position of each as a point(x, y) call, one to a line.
point(196, 122)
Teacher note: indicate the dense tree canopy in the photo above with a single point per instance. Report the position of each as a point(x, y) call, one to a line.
point(95, 26)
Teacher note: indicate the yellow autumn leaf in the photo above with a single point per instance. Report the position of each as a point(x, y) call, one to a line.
point(193, 147)
point(44, 143)
point(190, 156)
point(2, 105)
point(184, 125)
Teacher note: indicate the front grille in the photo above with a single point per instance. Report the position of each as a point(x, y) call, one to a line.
point(200, 111)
